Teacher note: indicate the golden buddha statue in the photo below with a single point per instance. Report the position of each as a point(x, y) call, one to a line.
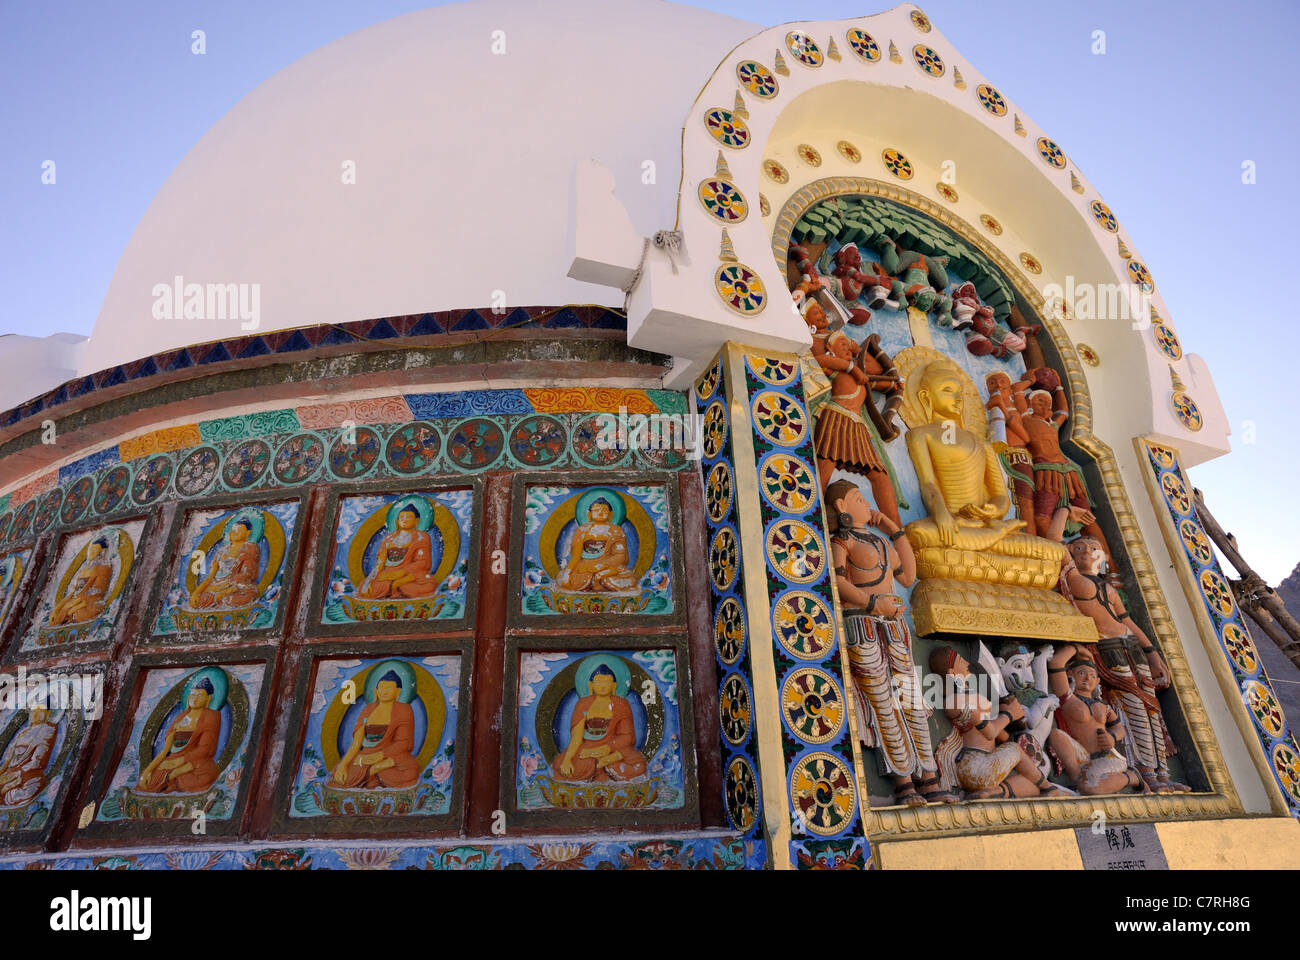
point(978, 571)
point(598, 558)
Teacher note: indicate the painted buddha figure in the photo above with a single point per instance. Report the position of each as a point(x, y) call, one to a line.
point(404, 562)
point(232, 580)
point(22, 769)
point(380, 753)
point(187, 761)
point(963, 489)
point(85, 598)
point(602, 735)
point(598, 555)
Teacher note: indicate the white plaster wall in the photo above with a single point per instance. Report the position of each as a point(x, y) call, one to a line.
point(29, 366)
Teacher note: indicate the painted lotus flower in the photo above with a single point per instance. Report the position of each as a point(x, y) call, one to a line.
point(529, 764)
point(377, 858)
point(441, 771)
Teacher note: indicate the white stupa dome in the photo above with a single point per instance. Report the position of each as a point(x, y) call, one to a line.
point(464, 142)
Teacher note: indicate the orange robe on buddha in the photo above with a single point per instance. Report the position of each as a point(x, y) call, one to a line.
point(199, 748)
point(239, 572)
point(413, 558)
point(394, 740)
point(90, 586)
point(617, 732)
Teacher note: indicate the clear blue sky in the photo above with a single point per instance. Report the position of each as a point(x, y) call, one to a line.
point(1160, 124)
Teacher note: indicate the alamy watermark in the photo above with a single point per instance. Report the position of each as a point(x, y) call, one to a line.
point(1103, 301)
point(682, 432)
point(179, 300)
point(22, 690)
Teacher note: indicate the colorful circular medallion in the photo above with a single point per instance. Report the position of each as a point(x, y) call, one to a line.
point(724, 560)
point(803, 48)
point(1264, 708)
point(1195, 541)
point(537, 441)
point(920, 21)
point(298, 458)
point(47, 511)
point(1217, 593)
point(848, 151)
point(769, 370)
point(764, 207)
point(77, 500)
point(727, 128)
point(1176, 495)
point(715, 429)
point(595, 441)
point(1087, 354)
point(945, 191)
point(802, 623)
point(795, 551)
point(112, 489)
point(723, 200)
point(740, 288)
point(708, 381)
point(1186, 410)
point(196, 471)
point(864, 45)
point(897, 164)
point(1240, 647)
point(718, 491)
point(757, 79)
point(734, 709)
point(809, 155)
point(1167, 340)
point(1052, 154)
point(822, 794)
point(991, 224)
point(775, 172)
point(779, 418)
point(23, 520)
point(245, 464)
point(1139, 274)
point(413, 448)
point(1105, 219)
point(991, 99)
point(928, 59)
point(1163, 457)
point(729, 630)
point(1286, 764)
point(741, 794)
point(151, 480)
point(1031, 264)
point(813, 705)
point(787, 483)
point(355, 452)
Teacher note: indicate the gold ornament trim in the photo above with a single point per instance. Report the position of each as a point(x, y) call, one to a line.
point(993, 816)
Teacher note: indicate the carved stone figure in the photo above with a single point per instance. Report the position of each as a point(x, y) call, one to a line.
point(849, 281)
point(989, 764)
point(1007, 434)
point(984, 335)
point(383, 739)
point(920, 280)
point(1024, 673)
point(1130, 666)
point(896, 718)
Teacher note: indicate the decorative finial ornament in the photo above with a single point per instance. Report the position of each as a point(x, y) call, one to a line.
point(894, 55)
point(728, 252)
point(1124, 251)
point(780, 66)
point(1175, 379)
point(958, 80)
point(740, 109)
point(1020, 127)
point(832, 50)
point(722, 170)
point(1075, 185)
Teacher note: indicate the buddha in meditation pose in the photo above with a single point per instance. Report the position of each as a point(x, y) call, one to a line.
point(598, 558)
point(186, 763)
point(232, 581)
point(85, 599)
point(22, 769)
point(380, 754)
point(602, 738)
point(963, 489)
point(405, 559)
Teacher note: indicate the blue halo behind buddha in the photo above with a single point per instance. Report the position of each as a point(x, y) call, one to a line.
point(250, 517)
point(418, 505)
point(617, 508)
point(213, 679)
point(399, 670)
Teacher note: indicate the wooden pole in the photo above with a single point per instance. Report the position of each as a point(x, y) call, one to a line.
point(1254, 596)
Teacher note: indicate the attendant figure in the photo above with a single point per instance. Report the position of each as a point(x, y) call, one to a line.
point(1011, 442)
point(380, 754)
point(405, 559)
point(232, 581)
point(598, 555)
point(85, 599)
point(602, 736)
point(1088, 728)
point(186, 763)
point(22, 768)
